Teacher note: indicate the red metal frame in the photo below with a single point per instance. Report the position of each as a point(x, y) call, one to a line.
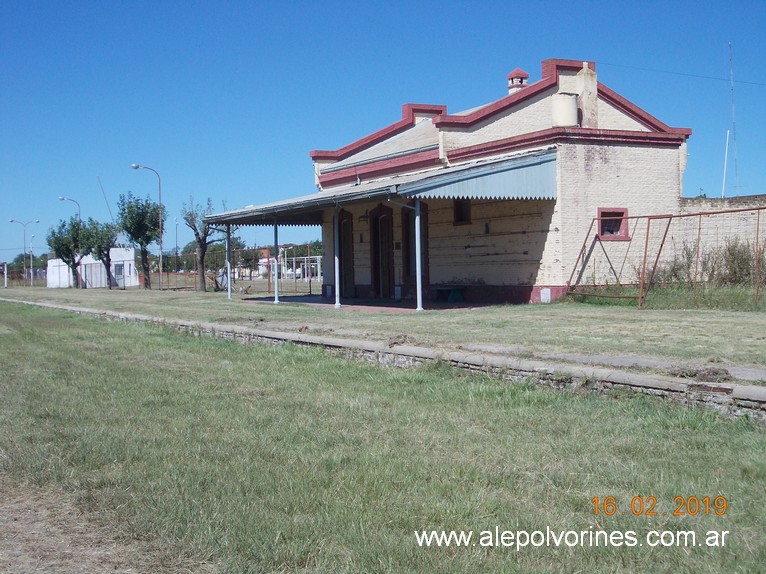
point(645, 284)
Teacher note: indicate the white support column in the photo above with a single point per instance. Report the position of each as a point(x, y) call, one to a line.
point(336, 249)
point(418, 258)
point(276, 267)
point(228, 260)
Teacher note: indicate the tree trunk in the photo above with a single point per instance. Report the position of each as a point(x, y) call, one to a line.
point(201, 281)
point(110, 280)
point(75, 276)
point(145, 268)
point(74, 266)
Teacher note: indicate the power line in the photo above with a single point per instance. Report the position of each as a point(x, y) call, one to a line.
point(680, 74)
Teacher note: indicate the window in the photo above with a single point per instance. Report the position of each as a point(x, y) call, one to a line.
point(461, 211)
point(613, 224)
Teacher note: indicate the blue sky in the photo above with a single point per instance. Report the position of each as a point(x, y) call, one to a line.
point(226, 99)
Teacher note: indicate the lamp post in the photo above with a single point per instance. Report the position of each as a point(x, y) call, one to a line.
point(159, 187)
point(79, 227)
point(175, 264)
point(31, 263)
point(24, 248)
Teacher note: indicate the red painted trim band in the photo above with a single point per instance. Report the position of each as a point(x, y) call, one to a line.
point(556, 135)
point(409, 113)
point(396, 165)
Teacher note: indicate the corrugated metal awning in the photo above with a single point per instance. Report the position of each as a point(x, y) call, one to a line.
point(309, 209)
point(530, 177)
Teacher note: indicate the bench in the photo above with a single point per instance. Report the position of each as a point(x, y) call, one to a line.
point(450, 293)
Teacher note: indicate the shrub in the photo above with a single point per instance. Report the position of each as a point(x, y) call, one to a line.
point(733, 264)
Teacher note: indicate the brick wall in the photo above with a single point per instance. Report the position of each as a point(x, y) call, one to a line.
point(641, 179)
point(534, 115)
point(697, 204)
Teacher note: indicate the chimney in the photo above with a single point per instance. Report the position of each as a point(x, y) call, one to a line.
point(517, 80)
point(587, 87)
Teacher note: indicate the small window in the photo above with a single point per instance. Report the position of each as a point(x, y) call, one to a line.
point(613, 224)
point(462, 211)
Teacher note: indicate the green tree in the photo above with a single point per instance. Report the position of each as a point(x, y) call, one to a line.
point(18, 263)
point(250, 258)
point(98, 239)
point(66, 242)
point(16, 267)
point(194, 218)
point(237, 244)
point(140, 220)
point(40, 261)
point(190, 248)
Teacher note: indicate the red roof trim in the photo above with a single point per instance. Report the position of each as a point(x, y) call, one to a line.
point(550, 79)
point(553, 66)
point(496, 107)
point(554, 135)
point(551, 69)
point(662, 135)
point(409, 112)
point(381, 168)
point(638, 114)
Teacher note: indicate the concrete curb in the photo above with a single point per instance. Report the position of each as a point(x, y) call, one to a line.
point(732, 400)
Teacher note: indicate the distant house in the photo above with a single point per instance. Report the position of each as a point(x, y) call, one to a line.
point(92, 271)
point(501, 194)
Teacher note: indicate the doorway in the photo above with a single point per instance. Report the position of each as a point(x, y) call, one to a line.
point(346, 255)
point(382, 251)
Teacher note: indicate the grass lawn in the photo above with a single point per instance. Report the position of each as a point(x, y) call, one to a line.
point(724, 337)
point(285, 459)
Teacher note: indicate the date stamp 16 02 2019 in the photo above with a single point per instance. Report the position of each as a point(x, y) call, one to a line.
point(647, 506)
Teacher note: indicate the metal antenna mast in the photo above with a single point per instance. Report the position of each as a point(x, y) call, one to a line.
point(733, 116)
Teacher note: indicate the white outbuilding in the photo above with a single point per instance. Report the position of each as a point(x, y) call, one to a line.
point(93, 273)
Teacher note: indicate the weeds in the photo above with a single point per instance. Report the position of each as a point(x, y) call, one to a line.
point(727, 276)
point(735, 263)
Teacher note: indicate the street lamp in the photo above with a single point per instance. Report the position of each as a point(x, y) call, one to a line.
point(79, 212)
point(24, 248)
point(175, 264)
point(31, 264)
point(159, 187)
point(79, 226)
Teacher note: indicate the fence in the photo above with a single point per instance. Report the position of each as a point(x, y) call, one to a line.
point(93, 275)
point(252, 271)
point(16, 277)
point(630, 257)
